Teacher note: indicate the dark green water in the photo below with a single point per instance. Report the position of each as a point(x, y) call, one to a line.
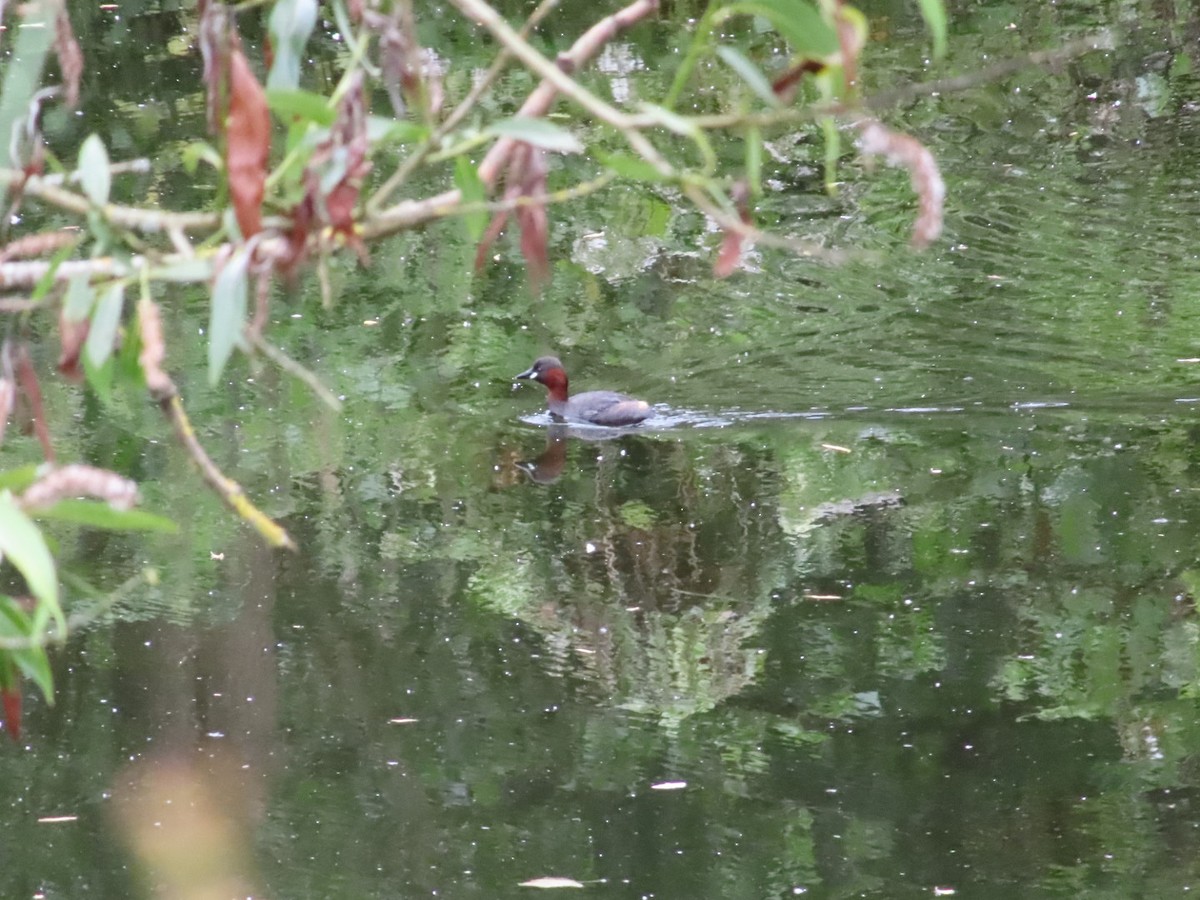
point(896, 597)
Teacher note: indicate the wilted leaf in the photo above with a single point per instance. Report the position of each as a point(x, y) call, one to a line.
point(750, 73)
point(247, 144)
point(552, 882)
point(537, 132)
point(291, 23)
point(106, 319)
point(466, 179)
point(228, 315)
point(10, 696)
point(70, 57)
point(22, 544)
point(97, 514)
point(905, 151)
point(731, 245)
point(94, 173)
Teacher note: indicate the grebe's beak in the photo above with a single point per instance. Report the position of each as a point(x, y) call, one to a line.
point(528, 373)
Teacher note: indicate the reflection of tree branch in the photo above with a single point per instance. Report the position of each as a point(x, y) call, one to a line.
point(1101, 40)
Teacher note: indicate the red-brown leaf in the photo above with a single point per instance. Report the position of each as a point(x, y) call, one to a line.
point(70, 57)
point(247, 144)
point(214, 48)
point(32, 392)
point(11, 697)
point(730, 253)
point(71, 338)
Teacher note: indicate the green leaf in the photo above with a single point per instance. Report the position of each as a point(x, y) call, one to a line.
point(22, 72)
point(631, 167)
point(228, 316)
point(201, 151)
point(22, 544)
point(19, 478)
point(291, 23)
point(305, 104)
point(934, 12)
point(42, 288)
point(750, 73)
point(799, 22)
point(466, 179)
point(754, 159)
point(106, 319)
point(537, 132)
point(97, 514)
point(80, 297)
point(32, 662)
point(94, 172)
point(381, 129)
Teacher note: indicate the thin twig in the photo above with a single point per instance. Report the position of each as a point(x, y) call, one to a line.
point(227, 489)
point(295, 369)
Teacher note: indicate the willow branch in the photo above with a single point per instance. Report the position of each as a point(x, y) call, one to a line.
point(556, 80)
point(410, 164)
point(227, 489)
point(135, 218)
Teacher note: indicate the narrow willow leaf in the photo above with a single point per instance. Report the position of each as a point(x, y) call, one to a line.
point(754, 159)
point(382, 130)
point(98, 514)
point(538, 132)
point(22, 72)
point(228, 316)
point(466, 179)
point(750, 73)
point(94, 172)
point(631, 167)
point(305, 104)
point(80, 297)
point(32, 661)
point(934, 12)
point(799, 22)
point(106, 319)
point(291, 23)
point(22, 544)
point(550, 882)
